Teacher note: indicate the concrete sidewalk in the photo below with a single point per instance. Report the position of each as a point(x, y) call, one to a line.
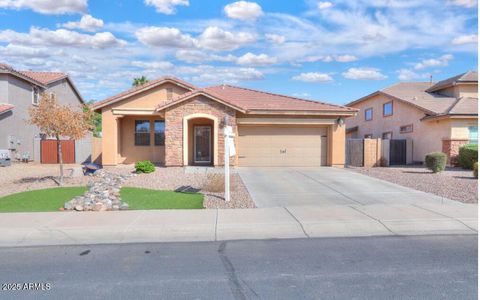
point(63, 228)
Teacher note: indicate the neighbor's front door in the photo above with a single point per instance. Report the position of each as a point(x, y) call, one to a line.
point(202, 144)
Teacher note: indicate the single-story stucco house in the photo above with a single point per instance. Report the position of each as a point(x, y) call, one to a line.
point(435, 117)
point(172, 122)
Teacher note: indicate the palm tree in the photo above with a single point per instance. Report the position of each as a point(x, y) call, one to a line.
point(139, 81)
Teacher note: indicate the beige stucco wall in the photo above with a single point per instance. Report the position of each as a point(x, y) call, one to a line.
point(461, 90)
point(117, 131)
point(426, 136)
point(459, 127)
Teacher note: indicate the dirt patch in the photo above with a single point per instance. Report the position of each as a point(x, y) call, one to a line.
point(453, 183)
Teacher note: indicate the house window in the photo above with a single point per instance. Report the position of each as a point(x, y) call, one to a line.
point(169, 93)
point(368, 114)
point(368, 136)
point(159, 133)
point(406, 128)
point(473, 134)
point(387, 135)
point(388, 109)
point(142, 133)
point(35, 95)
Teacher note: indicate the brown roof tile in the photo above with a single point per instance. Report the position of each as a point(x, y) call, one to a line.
point(470, 76)
point(5, 107)
point(247, 99)
point(464, 106)
point(44, 77)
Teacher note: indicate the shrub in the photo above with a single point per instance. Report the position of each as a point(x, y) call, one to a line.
point(145, 166)
point(468, 155)
point(436, 161)
point(475, 170)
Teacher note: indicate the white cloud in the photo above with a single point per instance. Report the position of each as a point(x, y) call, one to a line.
point(166, 37)
point(345, 58)
point(313, 77)
point(250, 59)
point(61, 37)
point(275, 38)
point(301, 95)
point(464, 3)
point(324, 4)
point(328, 58)
point(166, 6)
point(46, 6)
point(197, 56)
point(442, 61)
point(465, 39)
point(215, 74)
point(156, 65)
point(243, 10)
point(364, 74)
point(27, 52)
point(87, 23)
point(214, 38)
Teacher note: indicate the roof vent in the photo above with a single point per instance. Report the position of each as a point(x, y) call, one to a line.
point(415, 98)
point(223, 86)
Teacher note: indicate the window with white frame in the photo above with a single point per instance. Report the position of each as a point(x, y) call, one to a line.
point(35, 95)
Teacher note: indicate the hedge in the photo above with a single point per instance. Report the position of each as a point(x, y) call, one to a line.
point(467, 156)
point(436, 161)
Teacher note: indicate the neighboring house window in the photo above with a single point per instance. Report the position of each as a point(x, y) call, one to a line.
point(368, 136)
point(35, 95)
point(406, 128)
point(142, 133)
point(473, 134)
point(169, 93)
point(368, 114)
point(159, 133)
point(388, 109)
point(387, 135)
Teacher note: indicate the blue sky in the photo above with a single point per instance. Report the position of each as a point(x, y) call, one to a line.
point(333, 51)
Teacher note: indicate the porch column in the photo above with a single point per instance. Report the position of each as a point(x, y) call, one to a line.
point(110, 138)
point(336, 146)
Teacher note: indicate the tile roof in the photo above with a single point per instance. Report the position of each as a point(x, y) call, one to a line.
point(470, 76)
point(4, 107)
point(418, 95)
point(137, 89)
point(44, 77)
point(247, 100)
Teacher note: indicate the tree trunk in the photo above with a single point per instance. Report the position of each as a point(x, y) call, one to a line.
point(60, 159)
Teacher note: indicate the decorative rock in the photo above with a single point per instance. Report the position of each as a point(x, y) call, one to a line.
point(102, 194)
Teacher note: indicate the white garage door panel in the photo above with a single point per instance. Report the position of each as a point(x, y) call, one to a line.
point(282, 146)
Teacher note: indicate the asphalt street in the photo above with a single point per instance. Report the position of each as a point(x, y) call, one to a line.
point(415, 267)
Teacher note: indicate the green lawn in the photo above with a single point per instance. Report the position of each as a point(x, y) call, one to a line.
point(39, 200)
point(138, 198)
point(54, 198)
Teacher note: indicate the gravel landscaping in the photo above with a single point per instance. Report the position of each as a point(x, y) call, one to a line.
point(209, 184)
point(453, 183)
point(25, 177)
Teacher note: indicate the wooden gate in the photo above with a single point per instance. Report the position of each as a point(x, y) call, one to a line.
point(49, 154)
point(398, 152)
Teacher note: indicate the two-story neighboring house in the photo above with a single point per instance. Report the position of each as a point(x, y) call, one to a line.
point(20, 90)
point(438, 116)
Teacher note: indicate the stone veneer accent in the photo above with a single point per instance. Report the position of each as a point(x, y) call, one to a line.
point(174, 126)
point(451, 148)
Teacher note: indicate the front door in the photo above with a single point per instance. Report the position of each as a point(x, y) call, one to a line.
point(202, 144)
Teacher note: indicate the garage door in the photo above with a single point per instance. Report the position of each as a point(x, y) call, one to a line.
point(278, 146)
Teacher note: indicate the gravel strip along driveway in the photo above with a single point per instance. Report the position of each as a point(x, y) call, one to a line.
point(453, 183)
point(22, 177)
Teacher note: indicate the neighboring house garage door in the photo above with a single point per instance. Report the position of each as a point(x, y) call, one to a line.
point(280, 146)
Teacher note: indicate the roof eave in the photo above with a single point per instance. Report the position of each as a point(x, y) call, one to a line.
point(24, 77)
point(449, 116)
point(200, 93)
point(301, 112)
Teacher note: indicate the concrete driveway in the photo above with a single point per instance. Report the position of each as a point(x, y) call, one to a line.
point(275, 186)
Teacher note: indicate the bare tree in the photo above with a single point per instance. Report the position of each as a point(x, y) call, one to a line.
point(61, 121)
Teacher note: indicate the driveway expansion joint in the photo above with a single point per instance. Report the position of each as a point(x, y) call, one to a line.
point(299, 223)
point(452, 218)
point(375, 219)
